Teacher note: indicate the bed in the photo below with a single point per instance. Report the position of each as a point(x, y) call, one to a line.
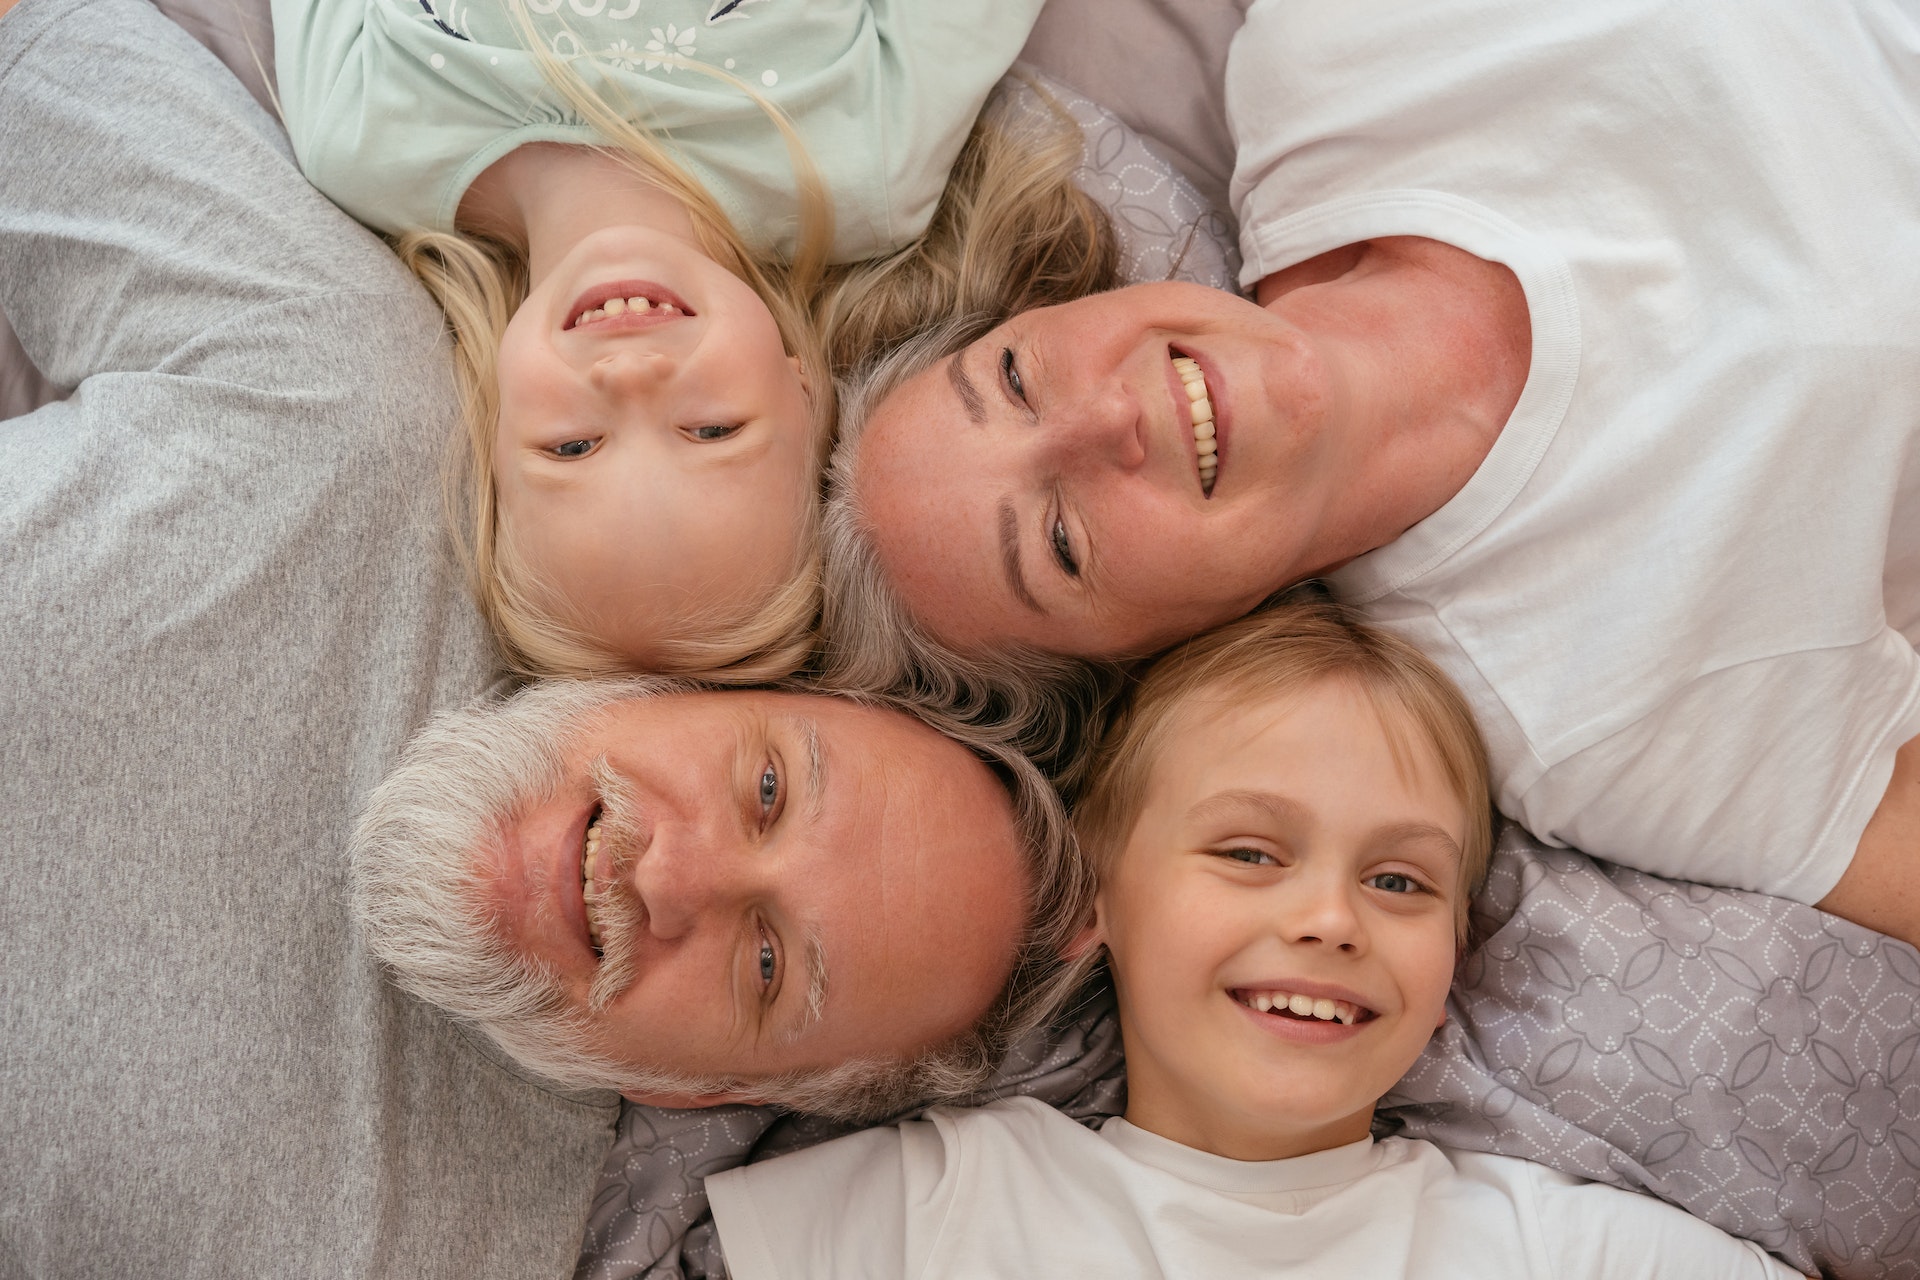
point(1752, 1060)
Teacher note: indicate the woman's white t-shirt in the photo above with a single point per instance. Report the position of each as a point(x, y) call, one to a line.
point(1682, 591)
point(1017, 1189)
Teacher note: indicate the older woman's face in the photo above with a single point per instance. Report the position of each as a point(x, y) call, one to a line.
point(1045, 484)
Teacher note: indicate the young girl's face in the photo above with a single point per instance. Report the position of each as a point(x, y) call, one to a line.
point(1283, 855)
point(654, 462)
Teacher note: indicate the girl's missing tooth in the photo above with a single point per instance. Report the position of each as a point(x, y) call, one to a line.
point(622, 217)
point(1286, 824)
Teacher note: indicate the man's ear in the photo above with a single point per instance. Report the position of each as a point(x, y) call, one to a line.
point(690, 1101)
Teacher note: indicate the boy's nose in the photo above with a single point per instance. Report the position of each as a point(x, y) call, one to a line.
point(1325, 915)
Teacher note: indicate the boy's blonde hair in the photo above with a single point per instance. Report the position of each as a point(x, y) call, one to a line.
point(1299, 642)
point(480, 282)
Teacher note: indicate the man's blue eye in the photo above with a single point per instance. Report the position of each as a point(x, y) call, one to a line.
point(766, 963)
point(573, 449)
point(769, 787)
point(1393, 883)
point(1011, 374)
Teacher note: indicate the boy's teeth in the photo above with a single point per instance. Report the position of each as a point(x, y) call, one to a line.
point(1200, 408)
point(1300, 1006)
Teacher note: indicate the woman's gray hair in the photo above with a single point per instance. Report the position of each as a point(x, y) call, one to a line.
point(415, 874)
point(1044, 704)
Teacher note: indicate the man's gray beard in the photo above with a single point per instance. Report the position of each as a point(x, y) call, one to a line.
point(421, 882)
point(617, 909)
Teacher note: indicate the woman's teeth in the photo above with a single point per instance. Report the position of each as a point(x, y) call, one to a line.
point(1202, 410)
point(1301, 1006)
point(586, 878)
point(620, 307)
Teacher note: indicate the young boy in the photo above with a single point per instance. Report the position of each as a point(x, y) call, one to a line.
point(1286, 824)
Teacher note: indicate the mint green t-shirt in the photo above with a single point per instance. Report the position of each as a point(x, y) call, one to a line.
point(395, 107)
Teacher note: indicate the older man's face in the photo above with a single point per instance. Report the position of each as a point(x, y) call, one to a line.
point(798, 881)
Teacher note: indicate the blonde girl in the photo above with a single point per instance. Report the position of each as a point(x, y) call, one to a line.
point(617, 214)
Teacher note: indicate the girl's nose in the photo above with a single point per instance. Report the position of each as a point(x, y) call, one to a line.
point(626, 372)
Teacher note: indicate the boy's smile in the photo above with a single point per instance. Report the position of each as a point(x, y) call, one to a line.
point(1281, 921)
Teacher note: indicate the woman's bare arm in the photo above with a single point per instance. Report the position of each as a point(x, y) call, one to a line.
point(1881, 888)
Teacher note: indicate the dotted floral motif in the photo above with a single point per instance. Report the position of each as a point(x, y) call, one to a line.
point(670, 47)
point(1166, 229)
point(1749, 1059)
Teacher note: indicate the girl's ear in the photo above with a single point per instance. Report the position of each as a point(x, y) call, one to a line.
point(800, 372)
point(1090, 936)
point(690, 1101)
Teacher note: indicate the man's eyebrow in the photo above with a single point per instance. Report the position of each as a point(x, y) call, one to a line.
point(809, 1012)
point(970, 398)
point(816, 764)
point(1010, 558)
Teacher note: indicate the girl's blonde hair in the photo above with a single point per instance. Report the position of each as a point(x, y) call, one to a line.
point(1012, 231)
point(480, 282)
point(1301, 641)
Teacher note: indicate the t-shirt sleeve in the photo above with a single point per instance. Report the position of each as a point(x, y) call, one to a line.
point(939, 61)
point(1591, 1229)
point(147, 202)
point(1759, 776)
point(379, 114)
point(838, 1209)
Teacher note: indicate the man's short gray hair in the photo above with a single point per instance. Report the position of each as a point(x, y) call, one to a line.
point(1042, 702)
point(419, 874)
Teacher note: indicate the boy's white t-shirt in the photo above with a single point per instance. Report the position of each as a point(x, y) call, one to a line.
point(1018, 1189)
point(1682, 592)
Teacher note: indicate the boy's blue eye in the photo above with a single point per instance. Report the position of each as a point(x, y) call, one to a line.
point(1390, 882)
point(1251, 857)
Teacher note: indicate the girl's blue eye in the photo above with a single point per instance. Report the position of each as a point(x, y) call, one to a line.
point(1391, 882)
point(714, 431)
point(766, 963)
point(1251, 857)
point(573, 449)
